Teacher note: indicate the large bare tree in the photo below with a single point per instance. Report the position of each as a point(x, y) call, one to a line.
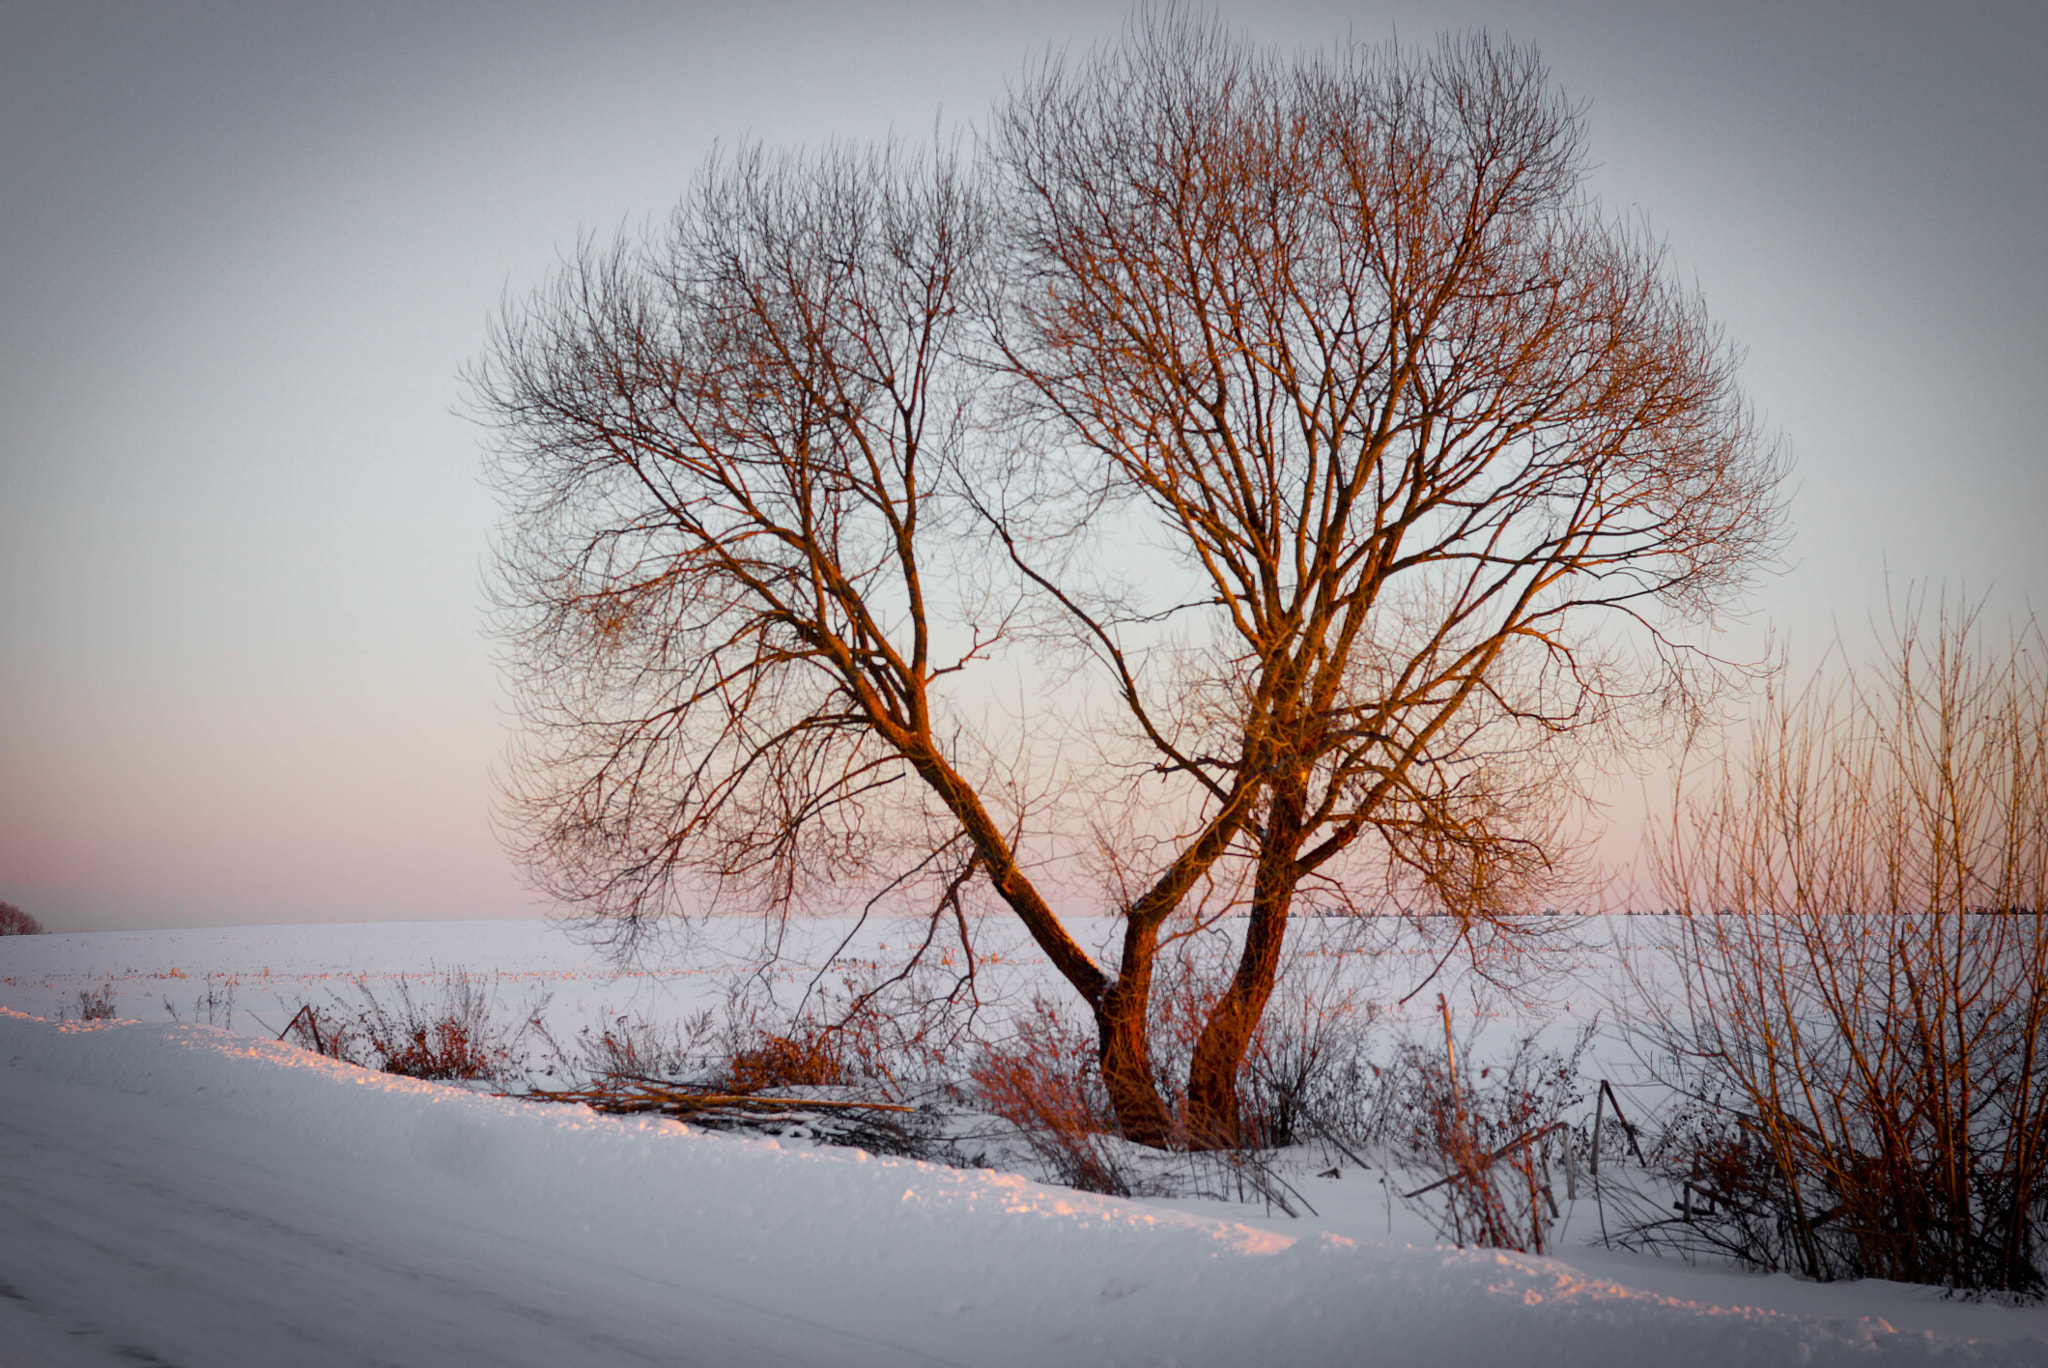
point(1431, 460)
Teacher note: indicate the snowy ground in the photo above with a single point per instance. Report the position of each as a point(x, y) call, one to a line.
point(175, 1193)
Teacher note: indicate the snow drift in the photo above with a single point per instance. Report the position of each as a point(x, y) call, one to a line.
point(177, 1194)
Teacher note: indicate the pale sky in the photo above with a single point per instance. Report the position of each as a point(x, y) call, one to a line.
point(246, 249)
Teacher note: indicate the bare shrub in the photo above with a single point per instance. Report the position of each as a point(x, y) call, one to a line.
point(623, 1047)
point(1047, 1082)
point(855, 1041)
point(328, 1033)
point(803, 1081)
point(1858, 1040)
point(215, 1006)
point(899, 1044)
point(897, 1034)
point(1303, 1059)
point(15, 922)
point(1490, 1133)
point(808, 1059)
point(455, 1038)
point(96, 1006)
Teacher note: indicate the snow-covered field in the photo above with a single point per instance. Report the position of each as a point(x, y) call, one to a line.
point(172, 1192)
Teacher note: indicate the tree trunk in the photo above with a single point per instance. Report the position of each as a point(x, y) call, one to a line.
point(1124, 1025)
point(1214, 1119)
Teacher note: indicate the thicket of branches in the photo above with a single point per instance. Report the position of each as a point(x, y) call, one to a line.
point(1308, 408)
point(1862, 1037)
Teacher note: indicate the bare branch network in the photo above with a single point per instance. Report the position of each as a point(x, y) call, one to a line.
point(1364, 469)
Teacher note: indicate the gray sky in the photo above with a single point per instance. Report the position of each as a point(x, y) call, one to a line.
point(244, 251)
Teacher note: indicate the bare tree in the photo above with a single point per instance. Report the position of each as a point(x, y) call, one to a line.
point(15, 922)
point(1407, 421)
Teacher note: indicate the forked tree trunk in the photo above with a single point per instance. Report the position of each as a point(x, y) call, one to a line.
point(1123, 1005)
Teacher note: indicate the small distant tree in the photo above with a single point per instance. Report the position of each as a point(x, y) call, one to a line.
point(15, 922)
point(1312, 403)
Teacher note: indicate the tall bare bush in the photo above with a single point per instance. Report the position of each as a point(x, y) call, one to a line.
point(1862, 1032)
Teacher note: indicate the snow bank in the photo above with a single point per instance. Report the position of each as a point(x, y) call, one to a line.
point(472, 1223)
